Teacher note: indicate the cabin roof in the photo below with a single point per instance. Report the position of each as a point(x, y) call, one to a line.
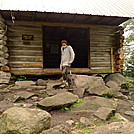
point(122, 8)
point(101, 9)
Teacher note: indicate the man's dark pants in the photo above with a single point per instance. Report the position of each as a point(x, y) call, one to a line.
point(65, 73)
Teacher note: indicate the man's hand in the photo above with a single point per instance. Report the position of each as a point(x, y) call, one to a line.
point(69, 63)
point(60, 67)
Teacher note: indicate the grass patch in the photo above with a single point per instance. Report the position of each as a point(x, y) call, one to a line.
point(68, 108)
point(84, 130)
point(77, 103)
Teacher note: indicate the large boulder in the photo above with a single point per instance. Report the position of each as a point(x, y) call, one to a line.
point(104, 113)
point(23, 95)
point(93, 103)
point(115, 128)
point(61, 129)
point(24, 121)
point(58, 101)
point(87, 82)
point(117, 78)
point(25, 83)
point(101, 91)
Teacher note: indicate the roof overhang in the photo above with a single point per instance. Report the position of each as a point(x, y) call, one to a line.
point(63, 17)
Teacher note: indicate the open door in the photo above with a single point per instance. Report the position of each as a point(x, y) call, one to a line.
point(76, 37)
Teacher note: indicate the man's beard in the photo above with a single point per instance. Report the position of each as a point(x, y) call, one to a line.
point(64, 47)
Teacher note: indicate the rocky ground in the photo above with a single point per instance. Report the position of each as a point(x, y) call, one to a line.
point(94, 105)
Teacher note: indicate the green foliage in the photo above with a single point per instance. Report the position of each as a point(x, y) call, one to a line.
point(21, 78)
point(128, 50)
point(127, 85)
point(77, 103)
point(86, 129)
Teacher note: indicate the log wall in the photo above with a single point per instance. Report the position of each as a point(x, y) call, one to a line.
point(5, 75)
point(102, 41)
point(25, 54)
point(26, 57)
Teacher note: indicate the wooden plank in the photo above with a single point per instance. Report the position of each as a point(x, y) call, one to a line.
point(29, 59)
point(99, 50)
point(26, 65)
point(19, 38)
point(112, 60)
point(24, 48)
point(28, 46)
point(101, 45)
point(25, 28)
point(57, 71)
point(99, 60)
point(18, 53)
point(11, 43)
point(29, 23)
point(20, 32)
point(31, 41)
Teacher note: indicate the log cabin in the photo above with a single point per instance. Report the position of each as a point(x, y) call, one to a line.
point(30, 35)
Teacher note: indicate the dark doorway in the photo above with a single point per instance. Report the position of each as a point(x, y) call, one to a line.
point(76, 37)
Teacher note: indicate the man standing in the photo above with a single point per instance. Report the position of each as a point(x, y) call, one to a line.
point(67, 57)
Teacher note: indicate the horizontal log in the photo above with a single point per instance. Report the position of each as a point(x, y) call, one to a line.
point(26, 65)
point(19, 38)
point(5, 68)
point(3, 54)
point(1, 32)
point(100, 60)
point(3, 37)
point(13, 40)
point(25, 28)
point(120, 45)
point(33, 43)
point(99, 50)
point(3, 42)
point(1, 19)
point(100, 63)
point(1, 64)
point(24, 53)
point(3, 48)
point(4, 81)
point(119, 67)
point(28, 59)
point(24, 48)
point(57, 71)
point(3, 61)
point(99, 38)
point(120, 51)
point(118, 62)
point(101, 45)
point(119, 32)
point(29, 23)
point(5, 75)
point(2, 25)
point(120, 56)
